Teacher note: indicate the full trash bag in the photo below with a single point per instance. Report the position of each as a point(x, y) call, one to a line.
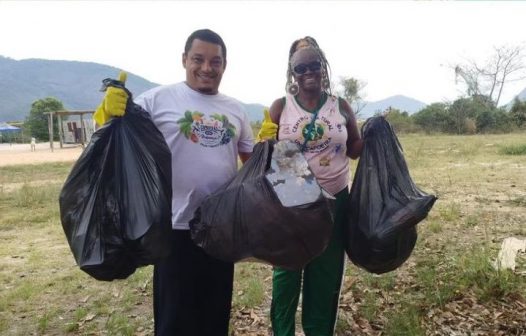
point(115, 205)
point(384, 203)
point(273, 211)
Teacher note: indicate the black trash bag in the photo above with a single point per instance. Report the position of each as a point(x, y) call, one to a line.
point(384, 203)
point(115, 205)
point(273, 211)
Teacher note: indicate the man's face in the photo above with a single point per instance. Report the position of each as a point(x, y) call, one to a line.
point(204, 64)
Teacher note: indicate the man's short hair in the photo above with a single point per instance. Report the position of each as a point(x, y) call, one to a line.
point(206, 35)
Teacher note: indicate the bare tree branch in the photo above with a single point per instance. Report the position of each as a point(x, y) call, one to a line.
point(504, 66)
point(352, 91)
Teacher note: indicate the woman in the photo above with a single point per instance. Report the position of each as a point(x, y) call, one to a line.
point(325, 127)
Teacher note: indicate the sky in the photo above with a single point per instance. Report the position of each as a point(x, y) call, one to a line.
point(395, 47)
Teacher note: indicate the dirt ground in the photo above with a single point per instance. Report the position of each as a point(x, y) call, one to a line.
point(13, 154)
point(444, 289)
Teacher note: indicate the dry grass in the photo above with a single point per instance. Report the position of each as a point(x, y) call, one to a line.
point(446, 287)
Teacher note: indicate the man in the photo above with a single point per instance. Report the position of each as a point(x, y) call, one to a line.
point(205, 131)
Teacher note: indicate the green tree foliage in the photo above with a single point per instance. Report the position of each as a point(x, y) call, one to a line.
point(484, 111)
point(400, 121)
point(475, 114)
point(503, 122)
point(461, 110)
point(37, 121)
point(486, 121)
point(432, 118)
point(518, 113)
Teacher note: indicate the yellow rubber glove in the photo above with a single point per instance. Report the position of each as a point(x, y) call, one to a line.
point(269, 130)
point(113, 104)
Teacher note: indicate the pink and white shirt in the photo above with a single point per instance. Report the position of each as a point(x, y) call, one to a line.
point(326, 149)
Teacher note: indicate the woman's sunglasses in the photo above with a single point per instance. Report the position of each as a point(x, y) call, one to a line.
point(301, 68)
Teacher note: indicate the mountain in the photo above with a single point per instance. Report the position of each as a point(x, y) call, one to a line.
point(521, 96)
point(77, 85)
point(403, 103)
point(74, 83)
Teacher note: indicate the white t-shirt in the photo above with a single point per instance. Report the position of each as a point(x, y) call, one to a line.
point(204, 134)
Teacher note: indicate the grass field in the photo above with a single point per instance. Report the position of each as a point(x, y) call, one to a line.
point(447, 287)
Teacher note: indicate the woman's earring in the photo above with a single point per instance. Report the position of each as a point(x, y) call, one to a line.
point(325, 82)
point(293, 88)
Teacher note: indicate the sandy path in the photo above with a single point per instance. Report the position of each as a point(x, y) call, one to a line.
point(21, 154)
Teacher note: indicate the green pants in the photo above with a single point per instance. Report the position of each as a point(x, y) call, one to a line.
point(322, 279)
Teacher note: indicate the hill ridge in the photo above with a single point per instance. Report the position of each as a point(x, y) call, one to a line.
point(76, 83)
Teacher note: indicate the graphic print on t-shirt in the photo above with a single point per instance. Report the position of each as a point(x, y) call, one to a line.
point(208, 131)
point(312, 132)
point(317, 140)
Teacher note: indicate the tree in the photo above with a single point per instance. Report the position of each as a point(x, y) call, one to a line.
point(474, 114)
point(486, 121)
point(352, 91)
point(504, 66)
point(466, 111)
point(503, 121)
point(432, 118)
point(471, 79)
point(37, 121)
point(518, 112)
point(400, 121)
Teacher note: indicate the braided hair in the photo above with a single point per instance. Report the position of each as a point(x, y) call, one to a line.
point(310, 42)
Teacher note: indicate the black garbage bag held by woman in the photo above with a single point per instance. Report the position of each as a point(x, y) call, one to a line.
point(384, 204)
point(273, 211)
point(115, 205)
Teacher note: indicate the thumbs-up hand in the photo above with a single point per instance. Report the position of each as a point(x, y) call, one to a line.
point(268, 130)
point(114, 102)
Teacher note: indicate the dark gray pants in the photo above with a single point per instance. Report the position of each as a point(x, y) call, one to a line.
point(192, 291)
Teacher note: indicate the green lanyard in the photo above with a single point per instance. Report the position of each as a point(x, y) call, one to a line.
point(311, 129)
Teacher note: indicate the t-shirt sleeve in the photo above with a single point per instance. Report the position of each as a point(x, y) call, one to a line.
point(246, 137)
point(144, 101)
